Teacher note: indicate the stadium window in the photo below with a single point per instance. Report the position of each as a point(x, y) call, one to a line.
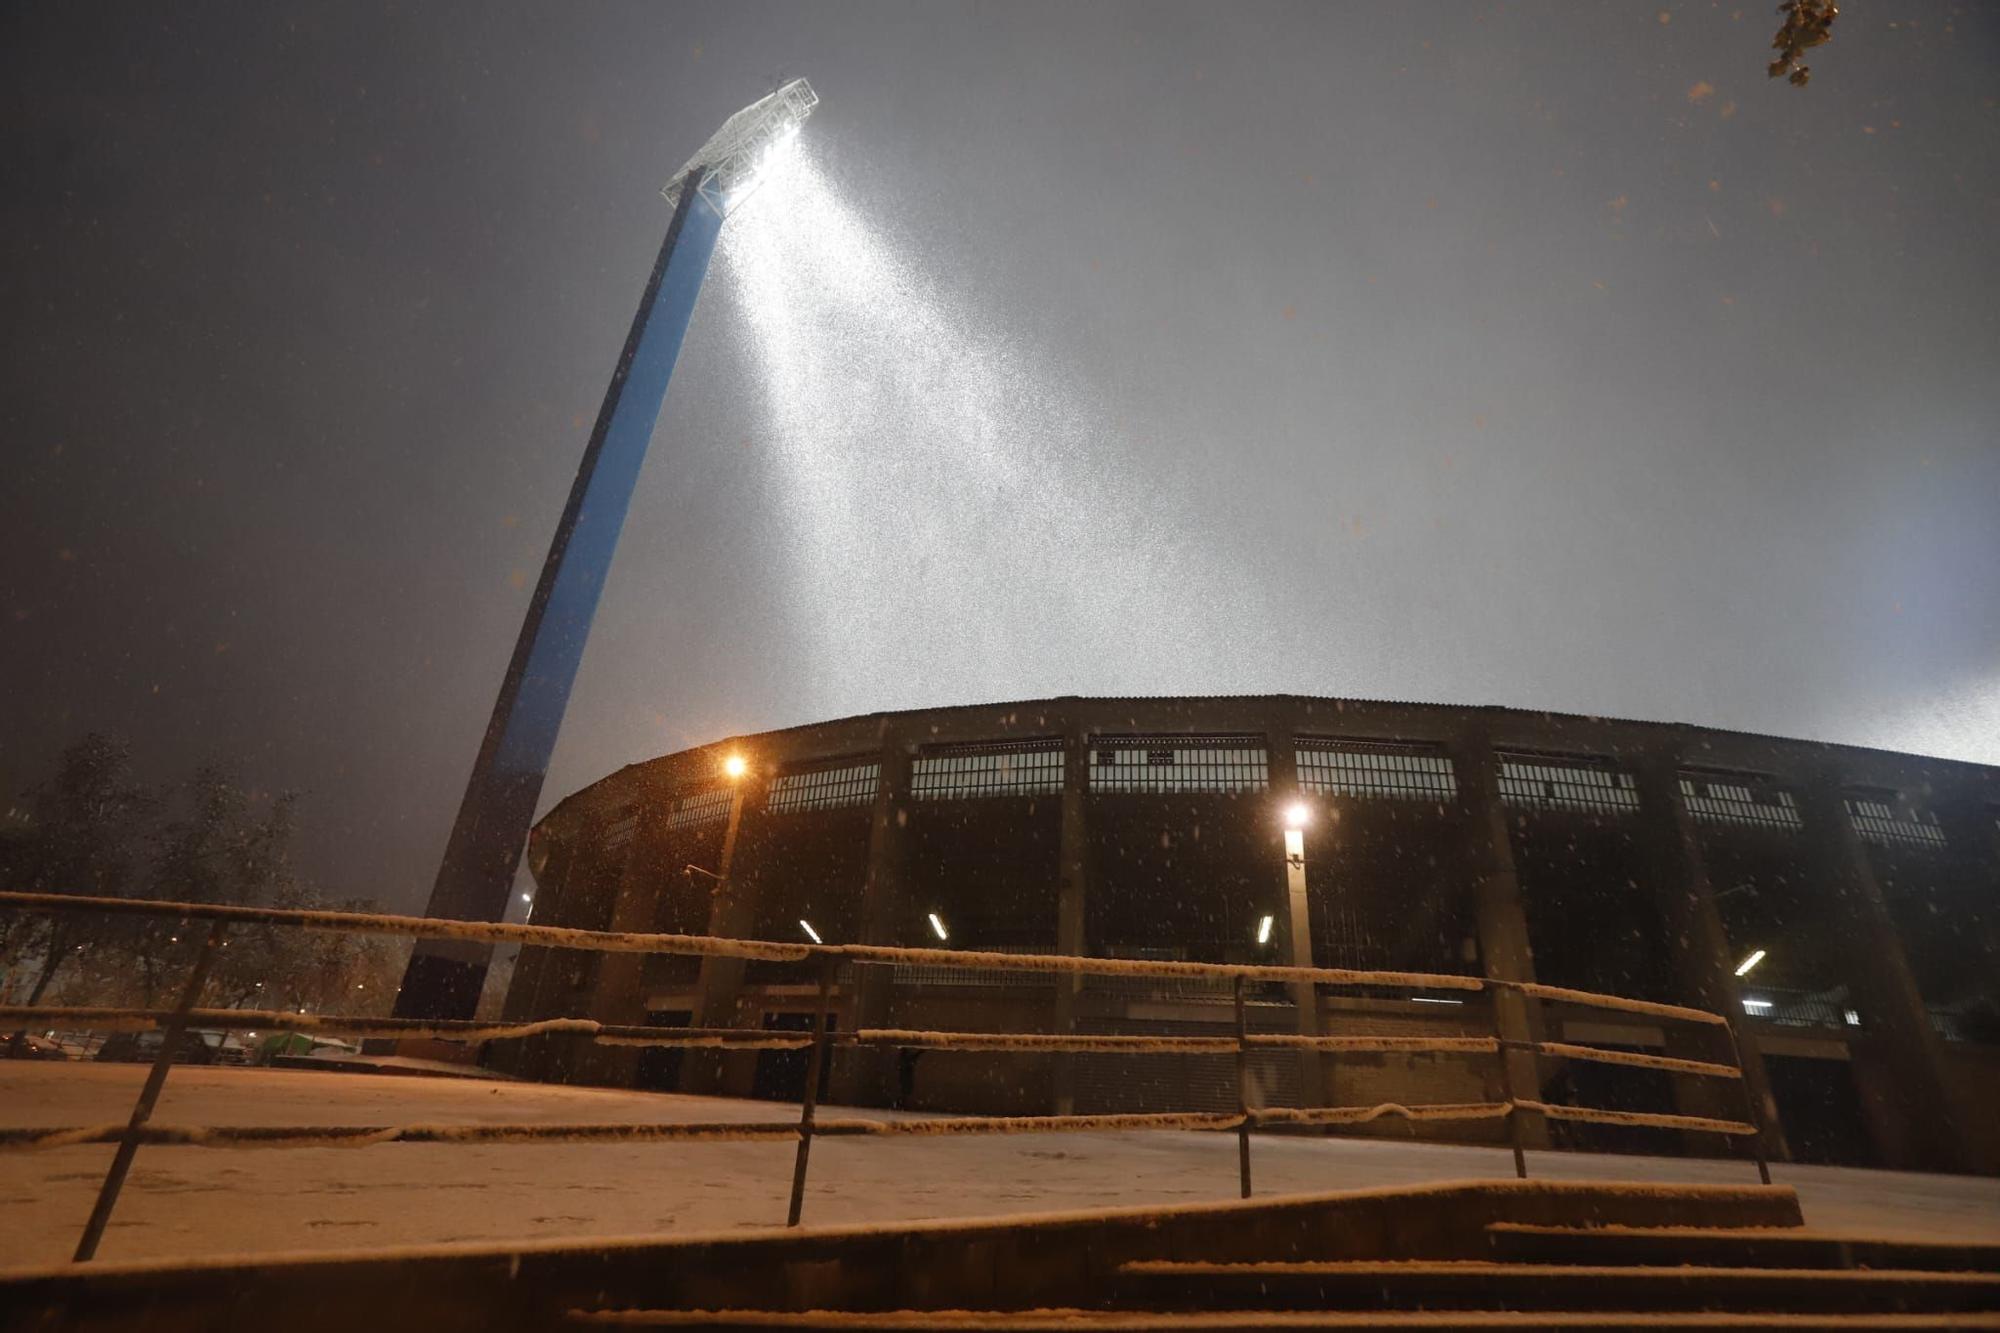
point(828, 787)
point(1566, 782)
point(1744, 799)
point(1163, 765)
point(708, 805)
point(1392, 770)
point(988, 768)
point(1886, 818)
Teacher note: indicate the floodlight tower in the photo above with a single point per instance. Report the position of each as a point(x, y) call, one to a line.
point(477, 875)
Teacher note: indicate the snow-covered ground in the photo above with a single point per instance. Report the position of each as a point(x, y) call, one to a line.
point(194, 1201)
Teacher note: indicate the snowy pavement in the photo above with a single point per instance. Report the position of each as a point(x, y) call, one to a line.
point(196, 1201)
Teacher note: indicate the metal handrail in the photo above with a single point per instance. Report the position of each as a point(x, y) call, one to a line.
point(186, 1014)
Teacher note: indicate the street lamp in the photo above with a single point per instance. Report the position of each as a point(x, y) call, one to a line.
point(473, 882)
point(1305, 996)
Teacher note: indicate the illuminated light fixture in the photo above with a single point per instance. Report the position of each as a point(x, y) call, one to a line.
point(1743, 968)
point(938, 926)
point(1297, 815)
point(747, 150)
point(1264, 929)
point(1432, 999)
point(527, 897)
point(812, 934)
point(736, 766)
point(1853, 1017)
point(1756, 1006)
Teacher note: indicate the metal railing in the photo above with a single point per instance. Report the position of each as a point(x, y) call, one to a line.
point(831, 962)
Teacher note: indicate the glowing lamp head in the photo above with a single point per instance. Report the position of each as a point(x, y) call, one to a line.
point(1264, 929)
point(749, 148)
point(735, 766)
point(1297, 815)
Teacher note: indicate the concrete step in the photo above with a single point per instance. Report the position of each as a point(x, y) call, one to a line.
point(1741, 1247)
point(1483, 1285)
point(1264, 1321)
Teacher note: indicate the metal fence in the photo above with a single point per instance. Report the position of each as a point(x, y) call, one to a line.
point(833, 962)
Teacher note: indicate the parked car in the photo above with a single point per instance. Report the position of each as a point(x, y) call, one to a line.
point(32, 1047)
point(302, 1043)
point(199, 1046)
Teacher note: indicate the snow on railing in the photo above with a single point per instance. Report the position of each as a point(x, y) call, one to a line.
point(749, 1131)
point(835, 961)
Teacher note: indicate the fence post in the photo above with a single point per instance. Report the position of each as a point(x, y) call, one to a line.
point(149, 1095)
point(814, 1063)
point(1507, 1083)
point(1242, 1090)
point(1750, 1106)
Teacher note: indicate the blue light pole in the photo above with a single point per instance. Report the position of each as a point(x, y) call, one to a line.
point(477, 876)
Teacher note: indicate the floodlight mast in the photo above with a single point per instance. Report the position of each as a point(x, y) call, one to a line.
point(475, 880)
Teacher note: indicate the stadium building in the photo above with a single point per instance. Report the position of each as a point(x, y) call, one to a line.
point(1843, 903)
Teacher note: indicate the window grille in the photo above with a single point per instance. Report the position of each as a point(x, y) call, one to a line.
point(1376, 769)
point(825, 788)
point(1744, 800)
point(1877, 818)
point(993, 768)
point(620, 831)
point(700, 807)
point(1169, 764)
point(1552, 782)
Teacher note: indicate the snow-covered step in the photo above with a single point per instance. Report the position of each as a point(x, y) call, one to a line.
point(1744, 1247)
point(1481, 1284)
point(1264, 1321)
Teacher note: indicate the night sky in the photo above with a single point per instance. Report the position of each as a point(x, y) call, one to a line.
point(1545, 355)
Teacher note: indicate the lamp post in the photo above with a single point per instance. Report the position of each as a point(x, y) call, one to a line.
point(719, 983)
point(477, 874)
point(1305, 996)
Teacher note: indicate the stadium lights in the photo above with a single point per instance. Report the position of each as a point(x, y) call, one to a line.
point(1744, 967)
point(938, 926)
point(735, 766)
point(1264, 929)
point(811, 934)
point(444, 977)
point(748, 150)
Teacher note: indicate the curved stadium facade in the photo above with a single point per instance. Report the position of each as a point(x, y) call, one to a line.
point(1641, 859)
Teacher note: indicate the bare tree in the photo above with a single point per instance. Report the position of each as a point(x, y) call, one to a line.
point(86, 838)
point(1808, 23)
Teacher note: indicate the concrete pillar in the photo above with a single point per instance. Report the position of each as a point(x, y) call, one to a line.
point(1968, 811)
point(1501, 916)
point(537, 985)
point(1677, 876)
point(869, 1077)
point(732, 912)
point(1282, 767)
point(1072, 898)
point(617, 994)
point(1898, 1063)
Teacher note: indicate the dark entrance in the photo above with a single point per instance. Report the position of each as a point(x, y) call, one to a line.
point(1821, 1111)
point(781, 1075)
point(659, 1067)
point(1614, 1088)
